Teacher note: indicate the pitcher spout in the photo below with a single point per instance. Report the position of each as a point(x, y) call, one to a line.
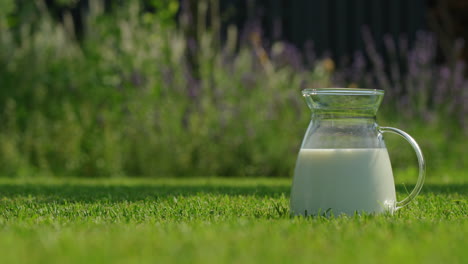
point(343, 102)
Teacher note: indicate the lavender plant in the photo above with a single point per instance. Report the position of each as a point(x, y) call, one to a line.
point(129, 100)
point(416, 84)
point(137, 96)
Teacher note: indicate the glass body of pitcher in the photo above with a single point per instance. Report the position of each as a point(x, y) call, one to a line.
point(343, 166)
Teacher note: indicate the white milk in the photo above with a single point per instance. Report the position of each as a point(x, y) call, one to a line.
point(343, 180)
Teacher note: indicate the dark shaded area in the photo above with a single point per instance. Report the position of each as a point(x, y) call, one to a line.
point(334, 26)
point(117, 193)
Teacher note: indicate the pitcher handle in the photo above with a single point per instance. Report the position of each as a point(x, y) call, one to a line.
point(422, 164)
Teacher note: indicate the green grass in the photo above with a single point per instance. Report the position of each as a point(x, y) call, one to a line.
point(219, 220)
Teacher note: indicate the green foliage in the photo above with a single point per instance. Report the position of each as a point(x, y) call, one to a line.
point(166, 10)
point(217, 221)
point(137, 96)
point(126, 101)
point(6, 7)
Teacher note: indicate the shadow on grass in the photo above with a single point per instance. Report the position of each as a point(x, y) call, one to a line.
point(118, 193)
point(460, 188)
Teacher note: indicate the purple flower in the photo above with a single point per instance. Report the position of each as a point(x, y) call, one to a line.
point(309, 53)
point(136, 78)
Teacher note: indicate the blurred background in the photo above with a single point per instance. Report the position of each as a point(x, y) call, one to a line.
point(181, 88)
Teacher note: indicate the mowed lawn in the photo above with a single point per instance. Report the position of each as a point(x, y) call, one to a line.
point(219, 221)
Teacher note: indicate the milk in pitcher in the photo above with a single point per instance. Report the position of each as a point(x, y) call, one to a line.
point(342, 181)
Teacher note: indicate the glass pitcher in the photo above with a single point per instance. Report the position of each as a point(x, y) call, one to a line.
point(343, 165)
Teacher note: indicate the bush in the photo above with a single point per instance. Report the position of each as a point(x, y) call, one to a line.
point(138, 96)
point(423, 96)
point(128, 101)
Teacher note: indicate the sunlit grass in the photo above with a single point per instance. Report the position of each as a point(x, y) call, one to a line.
point(210, 220)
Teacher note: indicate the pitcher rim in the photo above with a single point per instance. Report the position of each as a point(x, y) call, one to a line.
point(342, 91)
